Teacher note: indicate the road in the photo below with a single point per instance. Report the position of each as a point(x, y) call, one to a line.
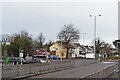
point(11, 71)
point(76, 72)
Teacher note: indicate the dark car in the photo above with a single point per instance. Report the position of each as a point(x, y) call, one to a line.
point(36, 60)
point(54, 57)
point(16, 60)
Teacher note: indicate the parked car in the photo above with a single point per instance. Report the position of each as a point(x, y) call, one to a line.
point(13, 60)
point(2, 61)
point(54, 57)
point(36, 60)
point(42, 60)
point(29, 60)
point(16, 60)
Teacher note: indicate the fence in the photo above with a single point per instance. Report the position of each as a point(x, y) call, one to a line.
point(104, 73)
point(14, 71)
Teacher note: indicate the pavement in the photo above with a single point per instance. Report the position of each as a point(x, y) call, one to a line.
point(114, 74)
point(77, 72)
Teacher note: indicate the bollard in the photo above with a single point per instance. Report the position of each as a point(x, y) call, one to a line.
point(13, 63)
point(17, 63)
point(21, 63)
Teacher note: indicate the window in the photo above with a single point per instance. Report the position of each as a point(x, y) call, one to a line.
point(62, 54)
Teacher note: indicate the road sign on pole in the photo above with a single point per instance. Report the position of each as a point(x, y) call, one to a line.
point(21, 55)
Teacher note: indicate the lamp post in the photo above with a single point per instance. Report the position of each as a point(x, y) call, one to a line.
point(95, 16)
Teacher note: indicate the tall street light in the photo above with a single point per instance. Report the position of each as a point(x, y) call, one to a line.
point(95, 16)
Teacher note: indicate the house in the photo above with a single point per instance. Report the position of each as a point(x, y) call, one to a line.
point(89, 49)
point(82, 51)
point(61, 52)
point(76, 49)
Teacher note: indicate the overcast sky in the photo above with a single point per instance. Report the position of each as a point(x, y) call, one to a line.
point(49, 17)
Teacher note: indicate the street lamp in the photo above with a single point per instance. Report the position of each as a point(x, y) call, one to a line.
point(95, 16)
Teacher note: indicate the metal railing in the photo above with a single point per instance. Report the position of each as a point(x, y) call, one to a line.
point(104, 73)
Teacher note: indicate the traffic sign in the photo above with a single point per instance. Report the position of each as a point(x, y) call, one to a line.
point(21, 54)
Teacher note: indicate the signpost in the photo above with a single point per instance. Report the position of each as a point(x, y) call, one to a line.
point(21, 56)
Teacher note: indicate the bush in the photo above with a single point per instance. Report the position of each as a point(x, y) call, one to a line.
point(111, 57)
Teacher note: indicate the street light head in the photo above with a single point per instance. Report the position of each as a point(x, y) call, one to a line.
point(99, 15)
point(65, 25)
point(90, 15)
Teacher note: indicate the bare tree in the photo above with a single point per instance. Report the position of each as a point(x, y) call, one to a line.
point(41, 40)
point(5, 38)
point(69, 34)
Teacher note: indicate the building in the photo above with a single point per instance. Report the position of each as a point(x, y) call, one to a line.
point(89, 49)
point(82, 51)
point(75, 49)
point(56, 47)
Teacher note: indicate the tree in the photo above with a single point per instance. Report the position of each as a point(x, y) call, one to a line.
point(68, 34)
point(116, 43)
point(102, 47)
point(41, 40)
point(99, 44)
point(4, 41)
point(47, 45)
point(21, 41)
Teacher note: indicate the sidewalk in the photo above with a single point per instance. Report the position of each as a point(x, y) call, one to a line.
point(76, 72)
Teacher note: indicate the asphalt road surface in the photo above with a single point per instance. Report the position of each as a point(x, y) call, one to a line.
point(11, 71)
point(76, 72)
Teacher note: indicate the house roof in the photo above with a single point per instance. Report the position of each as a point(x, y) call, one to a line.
point(64, 44)
point(82, 47)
